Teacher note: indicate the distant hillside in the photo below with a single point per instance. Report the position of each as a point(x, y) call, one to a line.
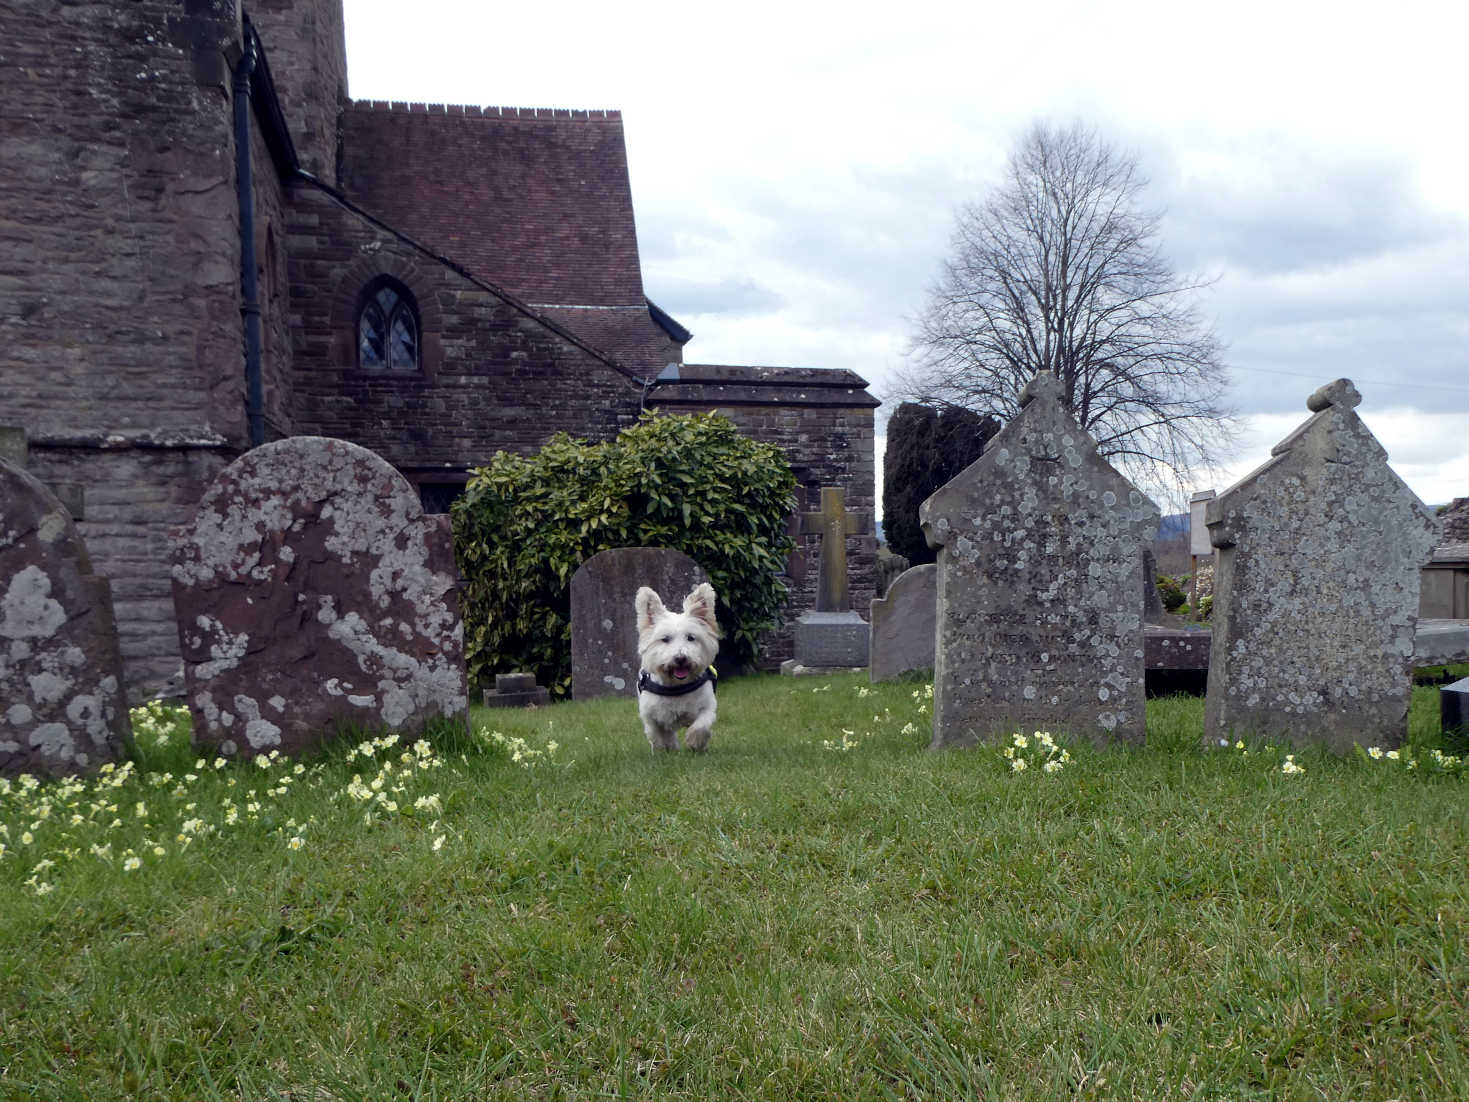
point(1172, 525)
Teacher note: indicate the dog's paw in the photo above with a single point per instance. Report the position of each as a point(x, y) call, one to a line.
point(696, 740)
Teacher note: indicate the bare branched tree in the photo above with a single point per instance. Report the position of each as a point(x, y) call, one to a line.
point(1059, 269)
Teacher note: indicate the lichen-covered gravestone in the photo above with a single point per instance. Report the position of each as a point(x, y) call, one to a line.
point(1040, 557)
point(1316, 588)
point(903, 624)
point(63, 706)
point(604, 626)
point(314, 594)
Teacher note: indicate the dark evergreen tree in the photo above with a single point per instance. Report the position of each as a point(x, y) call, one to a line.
point(926, 447)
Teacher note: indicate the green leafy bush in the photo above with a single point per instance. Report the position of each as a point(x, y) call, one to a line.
point(692, 483)
point(1171, 593)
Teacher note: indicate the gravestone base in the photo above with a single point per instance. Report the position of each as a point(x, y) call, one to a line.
point(791, 668)
point(516, 690)
point(836, 640)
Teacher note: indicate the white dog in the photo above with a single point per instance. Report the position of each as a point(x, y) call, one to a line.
point(676, 685)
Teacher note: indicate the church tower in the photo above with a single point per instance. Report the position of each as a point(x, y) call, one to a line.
point(306, 46)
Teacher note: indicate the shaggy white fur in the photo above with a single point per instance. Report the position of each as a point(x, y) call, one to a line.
point(676, 649)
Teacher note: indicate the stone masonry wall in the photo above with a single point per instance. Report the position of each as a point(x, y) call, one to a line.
point(826, 446)
point(134, 496)
point(492, 378)
point(273, 290)
point(306, 48)
point(119, 257)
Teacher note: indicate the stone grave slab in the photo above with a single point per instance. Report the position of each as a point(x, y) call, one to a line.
point(604, 627)
point(63, 704)
point(1316, 588)
point(903, 624)
point(1040, 562)
point(313, 593)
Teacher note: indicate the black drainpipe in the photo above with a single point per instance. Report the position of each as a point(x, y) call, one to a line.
point(250, 291)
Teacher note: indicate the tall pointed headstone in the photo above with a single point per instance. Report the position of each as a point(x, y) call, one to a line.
point(1316, 588)
point(1040, 557)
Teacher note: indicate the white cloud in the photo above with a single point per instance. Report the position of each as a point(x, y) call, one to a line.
point(1428, 450)
point(795, 174)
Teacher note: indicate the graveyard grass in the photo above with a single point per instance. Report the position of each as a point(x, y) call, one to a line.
point(815, 909)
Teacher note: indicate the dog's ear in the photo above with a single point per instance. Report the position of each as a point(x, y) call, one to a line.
point(700, 604)
point(649, 608)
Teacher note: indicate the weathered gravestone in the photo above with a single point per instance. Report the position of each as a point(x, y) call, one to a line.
point(313, 593)
point(1453, 708)
point(516, 690)
point(1040, 556)
point(903, 624)
point(832, 634)
point(63, 706)
point(604, 626)
point(1316, 588)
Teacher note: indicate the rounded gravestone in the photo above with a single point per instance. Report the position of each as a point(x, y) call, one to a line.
point(314, 594)
point(904, 624)
point(604, 627)
point(63, 706)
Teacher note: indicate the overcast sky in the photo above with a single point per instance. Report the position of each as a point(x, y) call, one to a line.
point(796, 168)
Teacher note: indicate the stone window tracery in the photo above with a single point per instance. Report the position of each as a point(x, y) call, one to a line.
point(388, 328)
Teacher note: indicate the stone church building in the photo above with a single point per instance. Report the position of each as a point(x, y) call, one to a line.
point(206, 245)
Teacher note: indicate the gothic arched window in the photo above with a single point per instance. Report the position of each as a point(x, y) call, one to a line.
point(387, 328)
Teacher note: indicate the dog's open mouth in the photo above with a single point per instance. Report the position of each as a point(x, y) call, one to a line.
point(681, 670)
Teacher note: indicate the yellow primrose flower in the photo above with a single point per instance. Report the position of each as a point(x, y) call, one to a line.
point(131, 864)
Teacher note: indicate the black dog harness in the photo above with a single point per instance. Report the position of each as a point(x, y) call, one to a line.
point(647, 685)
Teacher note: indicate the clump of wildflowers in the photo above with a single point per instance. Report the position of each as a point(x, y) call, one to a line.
point(1434, 761)
point(159, 723)
point(1289, 766)
point(130, 819)
point(521, 752)
point(1036, 751)
point(848, 741)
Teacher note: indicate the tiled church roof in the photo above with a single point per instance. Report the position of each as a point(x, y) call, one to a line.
point(535, 200)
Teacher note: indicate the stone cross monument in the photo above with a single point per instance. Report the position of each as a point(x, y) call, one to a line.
point(834, 524)
point(832, 634)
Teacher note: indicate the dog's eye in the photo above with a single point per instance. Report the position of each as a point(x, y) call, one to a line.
point(668, 638)
point(691, 637)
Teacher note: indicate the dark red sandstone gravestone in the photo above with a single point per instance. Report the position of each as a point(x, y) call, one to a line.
point(313, 594)
point(63, 706)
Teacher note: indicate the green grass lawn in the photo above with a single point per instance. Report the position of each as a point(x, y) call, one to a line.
point(817, 908)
